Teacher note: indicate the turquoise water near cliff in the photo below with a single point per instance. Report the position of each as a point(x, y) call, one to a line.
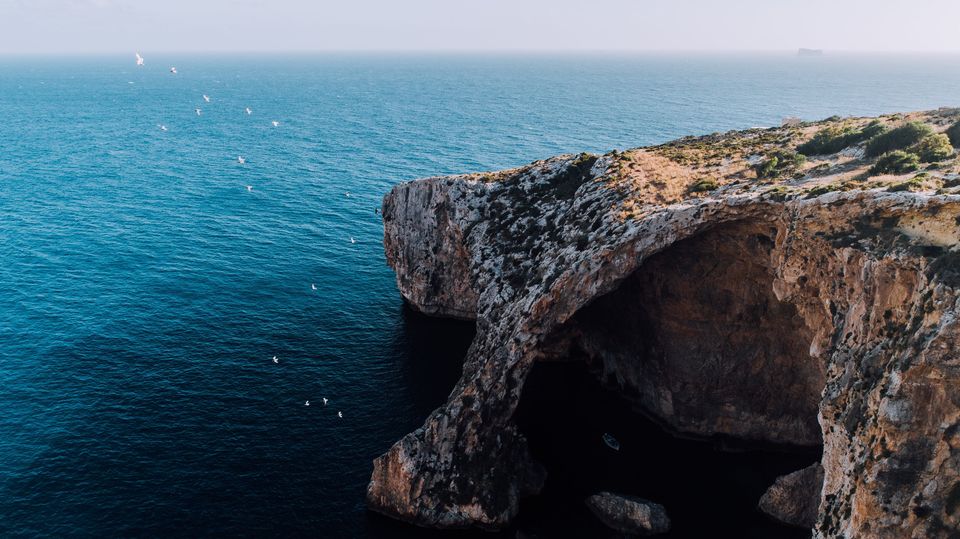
point(144, 289)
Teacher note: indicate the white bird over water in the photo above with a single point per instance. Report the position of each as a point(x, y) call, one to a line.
point(352, 240)
point(173, 70)
point(347, 194)
point(249, 188)
point(162, 127)
point(340, 415)
point(324, 401)
point(199, 112)
point(241, 160)
point(306, 403)
point(139, 59)
point(275, 360)
point(313, 286)
point(206, 98)
point(248, 110)
point(275, 123)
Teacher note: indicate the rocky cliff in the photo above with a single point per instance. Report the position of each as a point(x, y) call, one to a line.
point(725, 285)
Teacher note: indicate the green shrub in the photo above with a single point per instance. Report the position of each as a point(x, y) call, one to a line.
point(706, 184)
point(584, 157)
point(934, 148)
point(900, 138)
point(873, 129)
point(779, 193)
point(954, 133)
point(833, 139)
point(820, 190)
point(768, 167)
point(896, 162)
point(779, 162)
point(913, 184)
point(826, 141)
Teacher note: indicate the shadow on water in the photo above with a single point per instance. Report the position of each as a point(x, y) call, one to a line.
point(564, 412)
point(435, 349)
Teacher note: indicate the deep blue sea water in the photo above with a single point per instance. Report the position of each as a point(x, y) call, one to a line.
point(144, 289)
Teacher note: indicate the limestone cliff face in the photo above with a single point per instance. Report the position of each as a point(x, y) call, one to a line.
point(425, 244)
point(769, 310)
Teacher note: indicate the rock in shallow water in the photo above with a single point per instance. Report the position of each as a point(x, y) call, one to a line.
point(794, 498)
point(628, 514)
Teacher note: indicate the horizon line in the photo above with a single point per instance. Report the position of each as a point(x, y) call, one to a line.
point(794, 51)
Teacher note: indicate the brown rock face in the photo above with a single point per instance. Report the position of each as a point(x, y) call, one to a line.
point(789, 319)
point(629, 515)
point(795, 498)
point(433, 272)
point(699, 339)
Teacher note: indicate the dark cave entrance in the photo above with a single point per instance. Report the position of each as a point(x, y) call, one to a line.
point(694, 342)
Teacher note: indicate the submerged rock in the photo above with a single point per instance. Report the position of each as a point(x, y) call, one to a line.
point(810, 306)
point(794, 499)
point(628, 514)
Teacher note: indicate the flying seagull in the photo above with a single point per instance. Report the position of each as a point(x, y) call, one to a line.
point(139, 59)
point(275, 360)
point(173, 70)
point(313, 286)
point(198, 111)
point(241, 160)
point(249, 188)
point(162, 127)
point(340, 415)
point(248, 110)
point(206, 98)
point(275, 123)
point(306, 403)
point(324, 401)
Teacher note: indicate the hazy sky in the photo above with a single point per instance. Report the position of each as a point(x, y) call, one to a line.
point(61, 26)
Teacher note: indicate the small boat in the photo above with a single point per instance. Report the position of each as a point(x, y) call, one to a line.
point(610, 441)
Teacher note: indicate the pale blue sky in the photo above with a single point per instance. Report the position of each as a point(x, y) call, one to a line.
point(76, 26)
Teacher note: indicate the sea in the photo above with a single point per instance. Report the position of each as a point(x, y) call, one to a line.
point(148, 278)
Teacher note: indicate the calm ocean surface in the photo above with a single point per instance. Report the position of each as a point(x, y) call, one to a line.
point(144, 289)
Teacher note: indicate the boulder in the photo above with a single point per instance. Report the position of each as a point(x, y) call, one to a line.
point(629, 514)
point(794, 499)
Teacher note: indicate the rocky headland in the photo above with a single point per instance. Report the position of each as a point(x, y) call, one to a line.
point(794, 285)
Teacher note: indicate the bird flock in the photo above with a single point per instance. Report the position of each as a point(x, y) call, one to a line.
point(242, 161)
point(199, 111)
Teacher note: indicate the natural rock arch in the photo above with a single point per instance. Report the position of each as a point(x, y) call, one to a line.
point(872, 285)
point(697, 338)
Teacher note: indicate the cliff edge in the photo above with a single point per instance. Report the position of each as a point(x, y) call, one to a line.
point(796, 285)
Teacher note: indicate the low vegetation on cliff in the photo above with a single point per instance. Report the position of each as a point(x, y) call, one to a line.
point(799, 159)
point(804, 159)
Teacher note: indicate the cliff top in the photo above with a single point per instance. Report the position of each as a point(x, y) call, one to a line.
point(896, 152)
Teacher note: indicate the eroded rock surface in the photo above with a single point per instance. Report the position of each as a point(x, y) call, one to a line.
point(431, 258)
point(771, 309)
point(794, 498)
point(628, 514)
